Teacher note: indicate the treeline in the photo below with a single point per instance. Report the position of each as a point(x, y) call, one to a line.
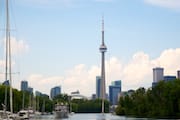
point(82, 105)
point(44, 104)
point(161, 101)
point(37, 102)
point(88, 106)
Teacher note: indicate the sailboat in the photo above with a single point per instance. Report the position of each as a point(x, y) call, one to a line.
point(8, 115)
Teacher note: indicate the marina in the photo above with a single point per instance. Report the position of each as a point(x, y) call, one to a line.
point(60, 78)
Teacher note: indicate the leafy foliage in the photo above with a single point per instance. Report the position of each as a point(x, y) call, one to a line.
point(162, 101)
point(88, 106)
point(44, 104)
point(28, 100)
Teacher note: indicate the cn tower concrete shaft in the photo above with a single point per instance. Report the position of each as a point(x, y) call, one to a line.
point(103, 49)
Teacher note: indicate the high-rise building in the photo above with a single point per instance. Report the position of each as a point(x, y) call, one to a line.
point(93, 96)
point(158, 75)
point(55, 91)
point(178, 74)
point(37, 93)
point(24, 85)
point(114, 90)
point(103, 49)
point(116, 83)
point(169, 78)
point(30, 90)
point(6, 83)
point(98, 86)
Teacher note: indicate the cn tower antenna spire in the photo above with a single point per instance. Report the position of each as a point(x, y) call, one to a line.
point(102, 23)
point(103, 30)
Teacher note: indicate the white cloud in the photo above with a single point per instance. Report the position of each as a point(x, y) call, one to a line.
point(170, 59)
point(175, 4)
point(137, 72)
point(44, 83)
point(18, 46)
point(2, 63)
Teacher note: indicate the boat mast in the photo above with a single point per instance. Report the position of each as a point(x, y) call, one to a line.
point(6, 48)
point(8, 57)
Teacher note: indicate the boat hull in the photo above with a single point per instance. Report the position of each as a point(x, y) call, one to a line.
point(61, 114)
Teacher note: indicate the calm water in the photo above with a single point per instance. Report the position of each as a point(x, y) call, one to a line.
point(94, 117)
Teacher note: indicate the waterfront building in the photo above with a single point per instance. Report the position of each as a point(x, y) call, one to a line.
point(37, 93)
point(114, 90)
point(93, 96)
point(77, 95)
point(75, 92)
point(169, 78)
point(30, 90)
point(130, 92)
point(178, 74)
point(45, 95)
point(55, 91)
point(116, 83)
point(98, 86)
point(124, 93)
point(24, 85)
point(40, 94)
point(158, 75)
point(6, 82)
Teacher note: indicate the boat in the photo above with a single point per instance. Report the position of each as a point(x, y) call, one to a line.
point(6, 115)
point(26, 113)
point(61, 110)
point(3, 115)
point(23, 114)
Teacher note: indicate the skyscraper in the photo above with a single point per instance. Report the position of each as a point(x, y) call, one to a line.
point(55, 91)
point(116, 83)
point(98, 86)
point(114, 90)
point(178, 74)
point(103, 49)
point(24, 85)
point(6, 83)
point(37, 93)
point(158, 75)
point(169, 78)
point(30, 90)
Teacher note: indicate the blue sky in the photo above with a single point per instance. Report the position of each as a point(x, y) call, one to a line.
point(62, 37)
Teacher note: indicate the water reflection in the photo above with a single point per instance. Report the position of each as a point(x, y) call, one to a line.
point(92, 117)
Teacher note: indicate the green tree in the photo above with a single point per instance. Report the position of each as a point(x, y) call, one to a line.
point(162, 101)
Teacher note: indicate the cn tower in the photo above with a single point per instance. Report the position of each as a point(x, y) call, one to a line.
point(103, 49)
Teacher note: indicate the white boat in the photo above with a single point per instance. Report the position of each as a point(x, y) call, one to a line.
point(6, 115)
point(23, 114)
point(26, 113)
point(3, 115)
point(61, 111)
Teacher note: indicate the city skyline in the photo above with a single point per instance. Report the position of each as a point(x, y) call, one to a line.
point(58, 42)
